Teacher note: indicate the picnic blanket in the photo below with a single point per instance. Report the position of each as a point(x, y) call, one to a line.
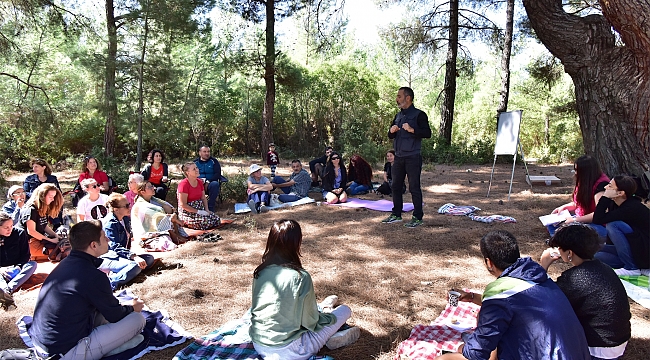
point(242, 208)
point(159, 332)
point(229, 342)
point(469, 211)
point(378, 205)
point(429, 341)
point(194, 232)
point(637, 289)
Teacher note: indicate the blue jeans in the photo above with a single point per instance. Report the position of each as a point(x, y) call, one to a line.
point(286, 197)
point(356, 188)
point(259, 197)
point(122, 270)
point(26, 271)
point(410, 166)
point(214, 188)
point(618, 255)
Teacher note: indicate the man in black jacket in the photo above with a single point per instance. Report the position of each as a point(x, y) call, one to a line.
point(76, 315)
point(317, 166)
point(15, 267)
point(408, 129)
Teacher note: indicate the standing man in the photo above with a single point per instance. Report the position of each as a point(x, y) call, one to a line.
point(298, 185)
point(76, 315)
point(407, 130)
point(210, 173)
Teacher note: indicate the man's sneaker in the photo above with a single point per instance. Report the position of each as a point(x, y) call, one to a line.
point(391, 219)
point(251, 205)
point(626, 272)
point(343, 338)
point(413, 223)
point(264, 209)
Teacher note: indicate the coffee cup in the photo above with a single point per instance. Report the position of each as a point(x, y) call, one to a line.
point(453, 297)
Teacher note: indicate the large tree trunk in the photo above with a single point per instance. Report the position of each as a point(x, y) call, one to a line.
point(505, 58)
point(269, 79)
point(447, 110)
point(110, 102)
point(138, 160)
point(611, 82)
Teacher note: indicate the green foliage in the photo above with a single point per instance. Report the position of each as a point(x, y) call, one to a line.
point(235, 188)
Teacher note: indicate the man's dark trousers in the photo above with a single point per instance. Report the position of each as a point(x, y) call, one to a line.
point(410, 166)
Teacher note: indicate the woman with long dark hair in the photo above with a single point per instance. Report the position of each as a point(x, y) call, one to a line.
point(157, 172)
point(590, 184)
point(359, 176)
point(92, 169)
point(285, 321)
point(335, 179)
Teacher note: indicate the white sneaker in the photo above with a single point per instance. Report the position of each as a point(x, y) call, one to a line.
point(329, 303)
point(343, 338)
point(135, 341)
point(626, 272)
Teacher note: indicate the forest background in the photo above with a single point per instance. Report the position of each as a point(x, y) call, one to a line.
point(193, 73)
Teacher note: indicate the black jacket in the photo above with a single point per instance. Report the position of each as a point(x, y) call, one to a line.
point(328, 178)
point(15, 248)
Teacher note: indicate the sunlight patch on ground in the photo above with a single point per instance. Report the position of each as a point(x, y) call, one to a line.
point(444, 189)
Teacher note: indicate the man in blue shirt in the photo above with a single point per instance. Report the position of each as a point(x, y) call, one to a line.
point(210, 173)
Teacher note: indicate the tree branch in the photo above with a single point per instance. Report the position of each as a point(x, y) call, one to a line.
point(30, 85)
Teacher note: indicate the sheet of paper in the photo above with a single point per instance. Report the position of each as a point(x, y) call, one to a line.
point(554, 218)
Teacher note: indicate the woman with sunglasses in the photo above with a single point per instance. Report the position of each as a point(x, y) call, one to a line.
point(334, 180)
point(92, 169)
point(157, 172)
point(46, 201)
point(150, 215)
point(16, 201)
point(93, 205)
point(121, 264)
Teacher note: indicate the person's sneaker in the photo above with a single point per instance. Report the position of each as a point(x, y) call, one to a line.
point(391, 219)
point(413, 223)
point(251, 205)
point(329, 303)
point(343, 338)
point(264, 209)
point(626, 272)
point(6, 300)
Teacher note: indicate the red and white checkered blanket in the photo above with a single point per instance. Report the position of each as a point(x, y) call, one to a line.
point(428, 341)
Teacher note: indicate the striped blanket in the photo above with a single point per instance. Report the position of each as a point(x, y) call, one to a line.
point(469, 211)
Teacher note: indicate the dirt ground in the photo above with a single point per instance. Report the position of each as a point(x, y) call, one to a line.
point(392, 277)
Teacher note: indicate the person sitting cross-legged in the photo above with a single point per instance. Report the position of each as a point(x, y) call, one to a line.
point(258, 189)
point(93, 205)
point(359, 176)
point(524, 314)
point(335, 180)
point(122, 264)
point(15, 267)
point(192, 203)
point(16, 200)
point(76, 315)
point(285, 320)
point(626, 221)
point(296, 187)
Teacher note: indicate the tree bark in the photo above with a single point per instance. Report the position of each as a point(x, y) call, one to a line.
point(505, 58)
point(611, 81)
point(447, 110)
point(269, 79)
point(110, 101)
point(138, 161)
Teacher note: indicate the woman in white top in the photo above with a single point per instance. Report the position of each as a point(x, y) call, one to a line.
point(93, 205)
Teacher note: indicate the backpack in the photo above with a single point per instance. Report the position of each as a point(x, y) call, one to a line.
point(642, 186)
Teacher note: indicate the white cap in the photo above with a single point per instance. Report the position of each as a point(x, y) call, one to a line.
point(12, 190)
point(254, 168)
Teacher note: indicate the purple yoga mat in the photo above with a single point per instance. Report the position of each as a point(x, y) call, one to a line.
point(379, 205)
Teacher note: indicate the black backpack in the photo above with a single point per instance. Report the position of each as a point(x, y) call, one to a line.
point(642, 186)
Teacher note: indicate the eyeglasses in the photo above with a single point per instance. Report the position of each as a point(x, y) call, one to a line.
point(92, 186)
point(18, 193)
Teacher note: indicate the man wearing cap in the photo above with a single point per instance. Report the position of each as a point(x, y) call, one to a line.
point(259, 190)
point(16, 197)
point(210, 174)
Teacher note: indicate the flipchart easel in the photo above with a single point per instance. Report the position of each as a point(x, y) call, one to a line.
point(508, 143)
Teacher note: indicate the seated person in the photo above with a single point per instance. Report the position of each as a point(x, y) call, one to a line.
point(93, 205)
point(210, 174)
point(593, 289)
point(298, 185)
point(626, 220)
point(92, 169)
point(524, 314)
point(590, 184)
point(386, 187)
point(258, 189)
point(15, 267)
point(359, 176)
point(134, 180)
point(334, 180)
point(46, 201)
point(152, 215)
point(42, 174)
point(76, 314)
point(16, 201)
point(285, 322)
point(317, 166)
point(121, 263)
point(192, 201)
point(157, 172)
